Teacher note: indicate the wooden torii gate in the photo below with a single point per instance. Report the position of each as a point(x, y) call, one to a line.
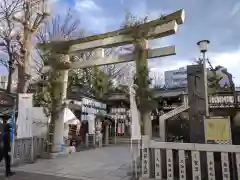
point(61, 50)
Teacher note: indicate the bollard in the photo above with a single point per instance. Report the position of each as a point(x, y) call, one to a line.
point(86, 141)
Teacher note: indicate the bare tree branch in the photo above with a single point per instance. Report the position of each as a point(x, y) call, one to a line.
point(8, 43)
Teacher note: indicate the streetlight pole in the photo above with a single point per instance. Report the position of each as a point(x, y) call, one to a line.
point(203, 47)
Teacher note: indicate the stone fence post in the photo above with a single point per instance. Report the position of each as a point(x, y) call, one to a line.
point(106, 135)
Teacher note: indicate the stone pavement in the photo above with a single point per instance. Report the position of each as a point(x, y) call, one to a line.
point(108, 163)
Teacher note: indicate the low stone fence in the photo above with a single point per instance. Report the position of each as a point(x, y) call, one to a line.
point(26, 150)
point(189, 161)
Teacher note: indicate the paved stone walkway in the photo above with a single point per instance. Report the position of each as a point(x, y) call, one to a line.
point(33, 176)
point(108, 163)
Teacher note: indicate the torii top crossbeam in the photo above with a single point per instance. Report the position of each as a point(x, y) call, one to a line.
point(158, 28)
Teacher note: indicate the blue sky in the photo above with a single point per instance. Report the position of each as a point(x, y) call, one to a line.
point(215, 20)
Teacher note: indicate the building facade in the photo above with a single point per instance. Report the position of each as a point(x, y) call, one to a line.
point(3, 81)
point(176, 78)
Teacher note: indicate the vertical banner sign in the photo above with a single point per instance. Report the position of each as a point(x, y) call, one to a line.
point(225, 166)
point(24, 122)
point(12, 122)
point(91, 124)
point(238, 164)
point(135, 126)
point(210, 166)
point(182, 164)
point(158, 167)
point(119, 128)
point(170, 172)
point(196, 167)
point(145, 163)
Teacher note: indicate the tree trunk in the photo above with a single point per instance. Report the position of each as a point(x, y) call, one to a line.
point(10, 73)
point(24, 68)
point(23, 80)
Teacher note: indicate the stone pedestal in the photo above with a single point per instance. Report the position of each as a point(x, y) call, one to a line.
point(197, 103)
point(87, 141)
point(162, 130)
point(58, 134)
point(94, 140)
point(100, 140)
point(98, 133)
point(106, 135)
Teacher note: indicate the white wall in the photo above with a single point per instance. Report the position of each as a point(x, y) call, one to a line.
point(32, 121)
point(39, 121)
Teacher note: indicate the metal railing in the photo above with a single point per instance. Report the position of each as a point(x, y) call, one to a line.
point(175, 111)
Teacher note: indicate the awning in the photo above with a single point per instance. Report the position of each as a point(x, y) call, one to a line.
point(73, 121)
point(168, 94)
point(69, 117)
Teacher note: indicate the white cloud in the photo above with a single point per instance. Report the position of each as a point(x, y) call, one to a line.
point(93, 17)
point(230, 60)
point(87, 5)
point(167, 63)
point(141, 10)
point(235, 9)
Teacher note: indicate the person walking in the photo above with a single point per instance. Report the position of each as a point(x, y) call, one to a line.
point(6, 150)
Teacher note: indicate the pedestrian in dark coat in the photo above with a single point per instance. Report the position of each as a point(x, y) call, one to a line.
point(6, 150)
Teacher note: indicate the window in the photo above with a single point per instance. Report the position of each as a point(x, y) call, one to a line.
point(180, 81)
point(180, 73)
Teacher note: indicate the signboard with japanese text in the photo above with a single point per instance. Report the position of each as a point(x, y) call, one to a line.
point(217, 130)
